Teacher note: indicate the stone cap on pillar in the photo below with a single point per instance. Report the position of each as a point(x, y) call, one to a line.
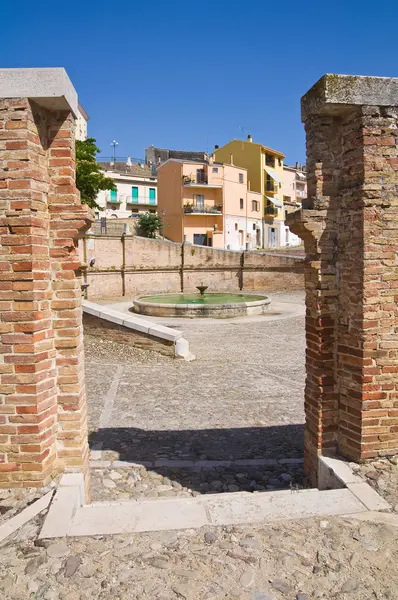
point(49, 87)
point(333, 94)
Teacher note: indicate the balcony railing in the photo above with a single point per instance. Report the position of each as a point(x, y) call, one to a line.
point(201, 180)
point(195, 209)
point(301, 194)
point(271, 186)
point(270, 211)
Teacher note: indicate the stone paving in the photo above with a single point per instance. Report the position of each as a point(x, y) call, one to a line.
point(240, 400)
point(297, 560)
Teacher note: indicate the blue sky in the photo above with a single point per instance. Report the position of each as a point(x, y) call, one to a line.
point(187, 75)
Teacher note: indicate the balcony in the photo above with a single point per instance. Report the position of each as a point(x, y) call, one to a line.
point(270, 211)
point(301, 193)
point(198, 209)
point(201, 181)
point(271, 186)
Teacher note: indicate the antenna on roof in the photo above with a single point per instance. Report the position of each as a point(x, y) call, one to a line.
point(128, 162)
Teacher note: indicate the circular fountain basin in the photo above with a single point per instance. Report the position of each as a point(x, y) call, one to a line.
point(220, 305)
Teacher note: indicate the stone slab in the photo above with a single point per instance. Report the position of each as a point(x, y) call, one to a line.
point(137, 324)
point(273, 506)
point(67, 516)
point(332, 93)
point(112, 316)
point(334, 473)
point(377, 517)
point(165, 333)
point(13, 524)
point(49, 87)
point(68, 498)
point(368, 496)
point(91, 308)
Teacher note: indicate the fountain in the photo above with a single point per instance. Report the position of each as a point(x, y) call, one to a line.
point(202, 288)
point(219, 305)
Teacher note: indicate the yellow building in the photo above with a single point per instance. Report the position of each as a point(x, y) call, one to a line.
point(265, 175)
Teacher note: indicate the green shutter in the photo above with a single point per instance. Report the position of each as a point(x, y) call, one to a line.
point(113, 196)
point(152, 196)
point(134, 194)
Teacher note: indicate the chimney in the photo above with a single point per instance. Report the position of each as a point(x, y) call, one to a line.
point(231, 159)
point(216, 146)
point(249, 138)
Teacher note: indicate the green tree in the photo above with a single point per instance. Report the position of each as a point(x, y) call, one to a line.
point(148, 224)
point(89, 178)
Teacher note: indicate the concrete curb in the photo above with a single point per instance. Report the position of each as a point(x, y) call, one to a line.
point(15, 523)
point(68, 516)
point(181, 345)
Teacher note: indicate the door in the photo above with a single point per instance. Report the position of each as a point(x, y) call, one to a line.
point(199, 202)
point(272, 236)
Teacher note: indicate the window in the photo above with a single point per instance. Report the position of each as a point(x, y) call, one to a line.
point(286, 213)
point(134, 195)
point(236, 227)
point(200, 239)
point(254, 227)
point(287, 198)
point(214, 170)
point(134, 210)
point(152, 210)
point(270, 160)
point(152, 196)
point(241, 178)
point(255, 205)
point(113, 196)
point(241, 203)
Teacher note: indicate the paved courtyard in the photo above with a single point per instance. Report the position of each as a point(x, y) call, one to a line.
point(239, 402)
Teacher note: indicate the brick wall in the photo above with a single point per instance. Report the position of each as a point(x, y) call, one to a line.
point(42, 397)
point(131, 266)
point(350, 230)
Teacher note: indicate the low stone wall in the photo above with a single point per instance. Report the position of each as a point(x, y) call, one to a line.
point(132, 266)
point(117, 333)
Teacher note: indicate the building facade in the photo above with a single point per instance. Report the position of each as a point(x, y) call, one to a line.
point(294, 190)
point(208, 203)
point(136, 191)
point(81, 124)
point(265, 174)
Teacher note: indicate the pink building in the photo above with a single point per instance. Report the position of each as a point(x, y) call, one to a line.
point(209, 204)
point(294, 190)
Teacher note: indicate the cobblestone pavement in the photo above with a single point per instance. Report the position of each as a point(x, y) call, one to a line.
point(297, 560)
point(123, 483)
point(241, 399)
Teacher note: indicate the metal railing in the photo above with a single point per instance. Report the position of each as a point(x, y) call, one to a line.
point(122, 159)
point(271, 186)
point(194, 209)
point(202, 180)
point(270, 210)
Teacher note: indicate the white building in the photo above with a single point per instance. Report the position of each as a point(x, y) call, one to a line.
point(294, 190)
point(81, 124)
point(136, 191)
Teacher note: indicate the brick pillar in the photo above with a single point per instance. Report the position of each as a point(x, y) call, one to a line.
point(350, 229)
point(42, 401)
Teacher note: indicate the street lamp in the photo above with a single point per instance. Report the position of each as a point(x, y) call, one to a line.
point(114, 144)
